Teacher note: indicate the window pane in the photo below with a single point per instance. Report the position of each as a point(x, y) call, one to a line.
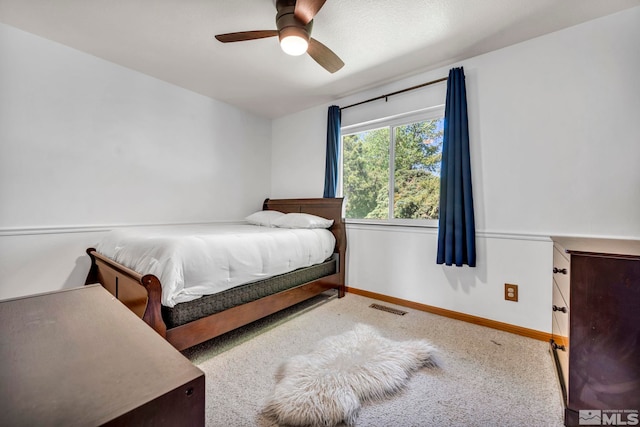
point(418, 151)
point(366, 174)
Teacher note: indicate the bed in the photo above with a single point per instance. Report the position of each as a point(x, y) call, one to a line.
point(188, 323)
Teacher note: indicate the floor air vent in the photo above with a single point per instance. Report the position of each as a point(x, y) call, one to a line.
point(388, 309)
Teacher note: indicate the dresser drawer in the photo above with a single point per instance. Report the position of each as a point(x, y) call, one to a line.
point(561, 318)
point(561, 267)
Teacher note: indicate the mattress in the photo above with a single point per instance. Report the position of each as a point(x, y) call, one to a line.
point(196, 260)
point(210, 304)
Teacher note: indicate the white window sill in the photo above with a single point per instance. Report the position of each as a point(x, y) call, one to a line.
point(373, 223)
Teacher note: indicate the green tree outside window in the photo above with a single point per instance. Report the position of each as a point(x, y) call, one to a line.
point(414, 150)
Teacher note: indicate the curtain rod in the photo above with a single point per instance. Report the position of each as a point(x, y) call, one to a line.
point(395, 93)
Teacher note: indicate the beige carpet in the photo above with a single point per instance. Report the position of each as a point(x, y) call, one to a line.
point(486, 377)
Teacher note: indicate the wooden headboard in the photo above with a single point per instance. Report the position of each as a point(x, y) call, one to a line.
point(330, 208)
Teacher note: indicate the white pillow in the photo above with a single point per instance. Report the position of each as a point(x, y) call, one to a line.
point(302, 220)
point(264, 218)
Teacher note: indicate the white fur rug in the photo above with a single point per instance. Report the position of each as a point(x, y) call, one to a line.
point(328, 385)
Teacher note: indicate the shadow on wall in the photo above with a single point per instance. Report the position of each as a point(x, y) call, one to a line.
point(464, 278)
point(79, 273)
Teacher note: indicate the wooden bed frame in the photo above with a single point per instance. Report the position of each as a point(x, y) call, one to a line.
point(142, 293)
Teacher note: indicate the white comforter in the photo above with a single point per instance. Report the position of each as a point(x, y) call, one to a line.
point(192, 261)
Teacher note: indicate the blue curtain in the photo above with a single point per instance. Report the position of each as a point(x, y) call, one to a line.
point(333, 152)
point(456, 232)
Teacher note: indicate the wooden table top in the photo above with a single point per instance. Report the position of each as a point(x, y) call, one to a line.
point(80, 357)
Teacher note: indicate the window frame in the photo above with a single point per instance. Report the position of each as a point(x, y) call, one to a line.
point(431, 113)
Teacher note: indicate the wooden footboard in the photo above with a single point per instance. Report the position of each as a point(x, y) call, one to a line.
point(143, 293)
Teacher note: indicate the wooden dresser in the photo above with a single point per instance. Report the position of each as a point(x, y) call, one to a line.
point(596, 328)
point(64, 363)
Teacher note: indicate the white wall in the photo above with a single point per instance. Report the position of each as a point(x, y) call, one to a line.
point(554, 142)
point(86, 143)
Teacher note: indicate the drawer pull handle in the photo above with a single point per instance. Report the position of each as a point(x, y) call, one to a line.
point(562, 309)
point(559, 270)
point(558, 347)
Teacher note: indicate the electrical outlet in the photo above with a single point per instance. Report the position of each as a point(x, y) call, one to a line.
point(510, 292)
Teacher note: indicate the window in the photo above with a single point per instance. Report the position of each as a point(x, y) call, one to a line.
point(412, 145)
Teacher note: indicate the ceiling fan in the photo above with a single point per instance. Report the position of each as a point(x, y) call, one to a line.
point(294, 20)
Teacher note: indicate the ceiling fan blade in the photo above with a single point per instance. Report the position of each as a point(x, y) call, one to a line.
point(324, 56)
point(306, 9)
point(246, 35)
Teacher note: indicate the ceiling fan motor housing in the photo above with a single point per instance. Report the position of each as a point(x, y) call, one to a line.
point(288, 24)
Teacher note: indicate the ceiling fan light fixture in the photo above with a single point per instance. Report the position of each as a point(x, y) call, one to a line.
point(294, 45)
point(294, 41)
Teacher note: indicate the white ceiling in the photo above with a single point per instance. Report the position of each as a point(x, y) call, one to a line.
point(379, 40)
